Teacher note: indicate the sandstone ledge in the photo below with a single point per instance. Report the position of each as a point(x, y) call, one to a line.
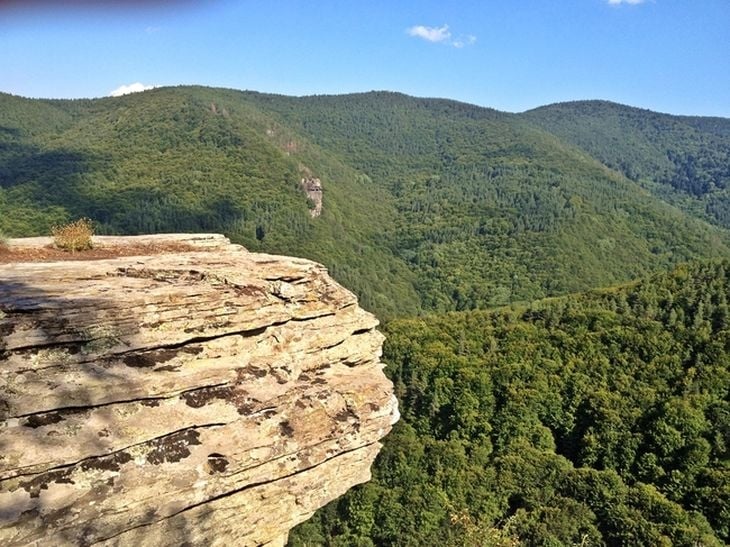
point(205, 397)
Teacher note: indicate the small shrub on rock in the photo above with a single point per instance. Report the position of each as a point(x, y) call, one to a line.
point(74, 236)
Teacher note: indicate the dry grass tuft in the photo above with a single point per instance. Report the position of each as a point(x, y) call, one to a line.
point(74, 236)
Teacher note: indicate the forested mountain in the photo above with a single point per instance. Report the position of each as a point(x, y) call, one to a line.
point(195, 159)
point(428, 204)
point(595, 419)
point(592, 418)
point(683, 159)
point(492, 210)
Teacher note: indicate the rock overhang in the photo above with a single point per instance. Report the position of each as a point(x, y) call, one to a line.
point(200, 396)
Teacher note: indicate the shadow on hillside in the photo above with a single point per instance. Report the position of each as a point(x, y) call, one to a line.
point(62, 177)
point(24, 163)
point(10, 132)
point(48, 177)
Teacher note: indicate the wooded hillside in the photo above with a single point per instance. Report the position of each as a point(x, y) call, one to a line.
point(595, 419)
point(427, 204)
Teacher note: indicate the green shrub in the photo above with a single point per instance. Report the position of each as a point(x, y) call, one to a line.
point(74, 236)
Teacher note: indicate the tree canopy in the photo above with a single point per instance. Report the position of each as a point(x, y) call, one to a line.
point(595, 419)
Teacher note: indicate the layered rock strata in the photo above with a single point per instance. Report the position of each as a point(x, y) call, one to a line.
point(210, 396)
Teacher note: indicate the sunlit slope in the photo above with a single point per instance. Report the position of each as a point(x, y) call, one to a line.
point(428, 204)
point(682, 159)
point(492, 209)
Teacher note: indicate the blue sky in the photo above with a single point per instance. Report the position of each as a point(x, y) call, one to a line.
point(667, 55)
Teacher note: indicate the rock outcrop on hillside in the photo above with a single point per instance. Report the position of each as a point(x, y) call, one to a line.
point(199, 396)
point(313, 188)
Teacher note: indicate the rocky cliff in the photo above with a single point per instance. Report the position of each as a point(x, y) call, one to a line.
point(313, 188)
point(195, 394)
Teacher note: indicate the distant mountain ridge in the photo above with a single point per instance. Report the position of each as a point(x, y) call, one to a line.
point(427, 204)
point(684, 160)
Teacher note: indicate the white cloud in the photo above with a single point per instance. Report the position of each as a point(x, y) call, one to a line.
point(430, 34)
point(131, 88)
point(467, 40)
point(619, 2)
point(441, 35)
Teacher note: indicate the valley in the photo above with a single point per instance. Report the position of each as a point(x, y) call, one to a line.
point(431, 204)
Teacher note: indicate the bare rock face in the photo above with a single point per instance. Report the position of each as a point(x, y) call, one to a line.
point(202, 397)
point(313, 188)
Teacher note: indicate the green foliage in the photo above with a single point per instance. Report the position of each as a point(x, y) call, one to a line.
point(681, 159)
point(598, 418)
point(492, 211)
point(428, 204)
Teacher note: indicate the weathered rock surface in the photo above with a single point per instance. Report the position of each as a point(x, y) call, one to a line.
point(205, 397)
point(313, 188)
